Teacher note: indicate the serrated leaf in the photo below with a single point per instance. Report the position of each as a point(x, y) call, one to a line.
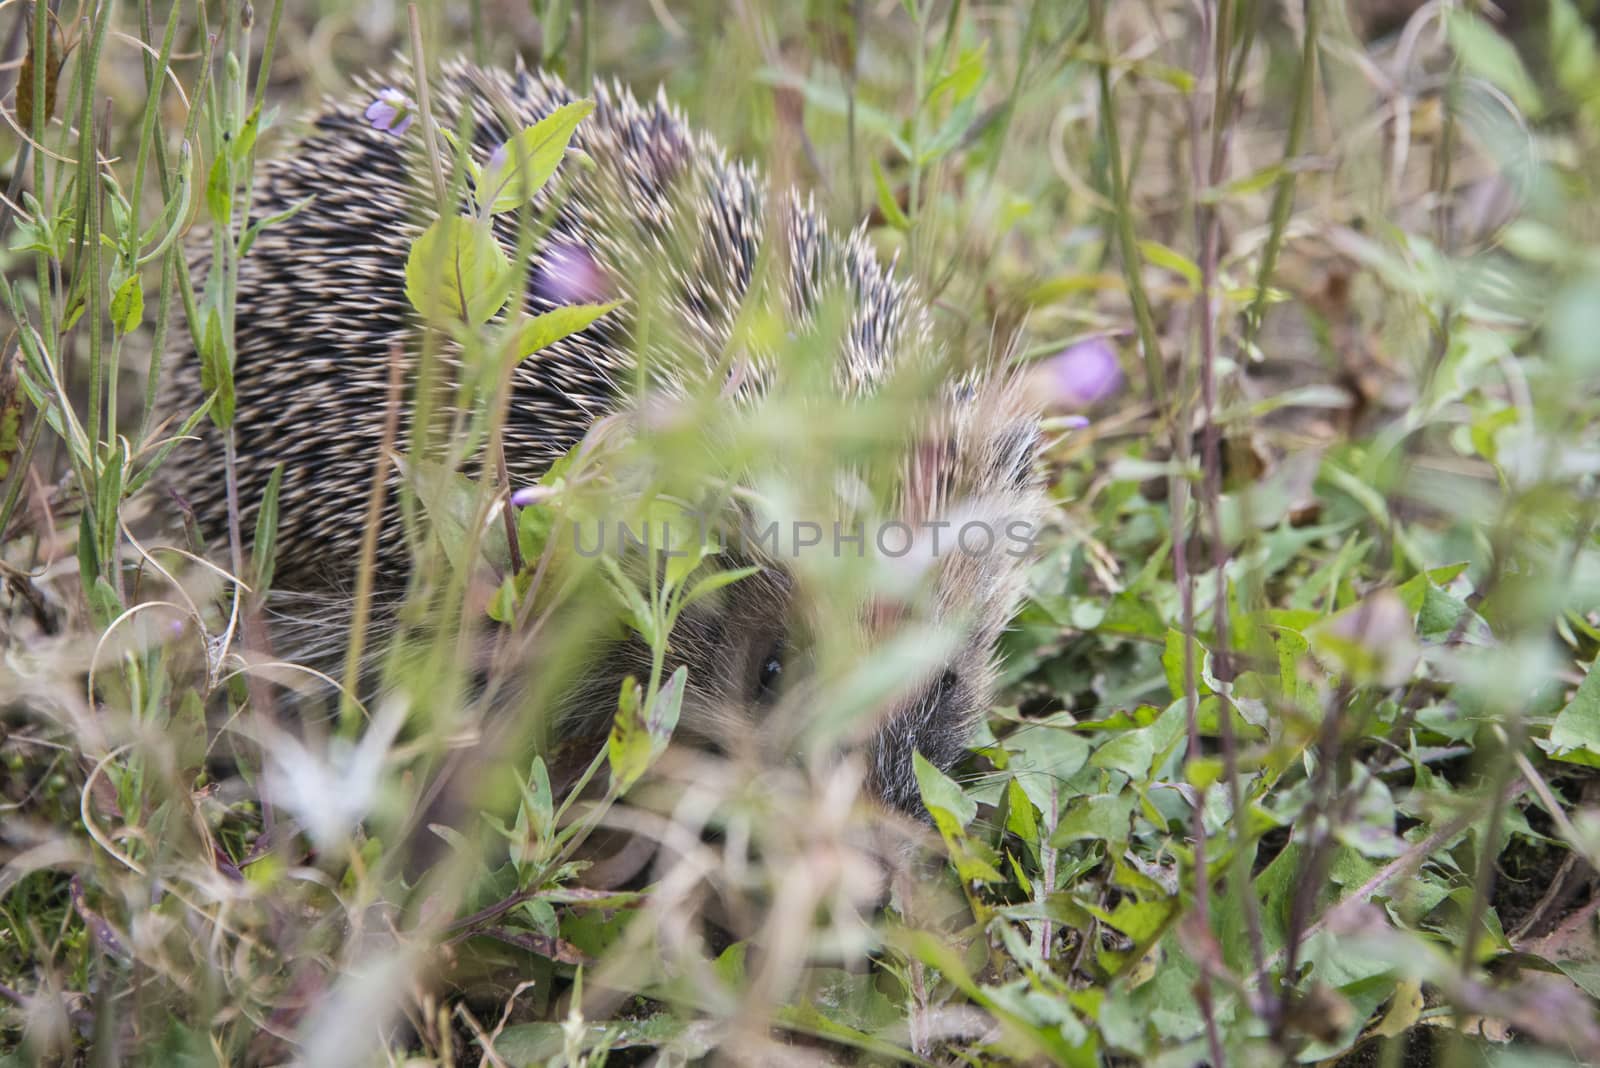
point(457, 271)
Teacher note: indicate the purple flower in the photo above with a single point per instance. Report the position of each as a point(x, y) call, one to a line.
point(1082, 374)
point(531, 495)
point(568, 274)
point(497, 159)
point(391, 112)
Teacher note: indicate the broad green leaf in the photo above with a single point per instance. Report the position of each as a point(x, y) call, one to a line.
point(450, 500)
point(1020, 816)
point(1172, 663)
point(458, 271)
point(1101, 816)
point(545, 330)
point(1576, 731)
point(538, 801)
point(1486, 53)
point(941, 794)
point(219, 190)
point(1136, 752)
point(1044, 755)
point(530, 157)
point(127, 305)
point(1574, 57)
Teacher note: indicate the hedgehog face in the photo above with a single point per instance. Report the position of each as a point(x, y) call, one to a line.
point(749, 649)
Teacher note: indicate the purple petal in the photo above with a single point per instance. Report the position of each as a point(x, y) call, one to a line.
point(1083, 374)
point(381, 114)
point(392, 111)
point(568, 274)
point(497, 158)
point(527, 495)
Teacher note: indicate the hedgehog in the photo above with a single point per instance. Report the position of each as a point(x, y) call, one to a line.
point(322, 310)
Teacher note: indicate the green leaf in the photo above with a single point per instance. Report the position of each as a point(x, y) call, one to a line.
point(1486, 53)
point(245, 142)
point(127, 305)
point(964, 78)
point(1162, 256)
point(1139, 920)
point(219, 190)
point(531, 157)
point(1577, 726)
point(639, 613)
point(502, 606)
point(263, 550)
point(255, 229)
point(1103, 817)
point(1172, 664)
point(714, 582)
point(941, 794)
point(1415, 589)
point(450, 500)
point(952, 810)
point(545, 330)
point(10, 421)
point(1020, 817)
point(638, 735)
point(216, 370)
point(1136, 752)
point(458, 271)
point(887, 204)
point(1045, 754)
point(538, 801)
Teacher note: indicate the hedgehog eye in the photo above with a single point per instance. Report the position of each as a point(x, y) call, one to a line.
point(768, 674)
point(947, 683)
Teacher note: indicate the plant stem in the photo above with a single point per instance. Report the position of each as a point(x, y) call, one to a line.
point(1128, 245)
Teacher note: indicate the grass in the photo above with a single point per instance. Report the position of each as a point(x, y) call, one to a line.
point(1293, 759)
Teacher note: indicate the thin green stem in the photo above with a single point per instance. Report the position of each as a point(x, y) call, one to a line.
point(1283, 191)
point(1128, 245)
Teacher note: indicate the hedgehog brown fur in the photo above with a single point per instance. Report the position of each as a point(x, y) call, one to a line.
point(322, 306)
